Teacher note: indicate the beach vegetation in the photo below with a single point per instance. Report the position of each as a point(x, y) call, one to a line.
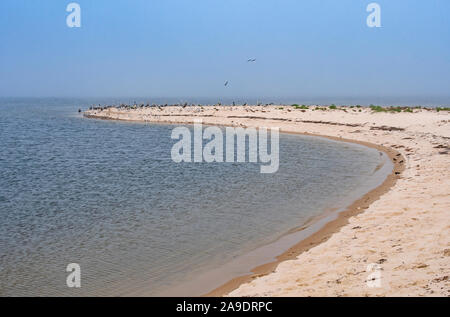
point(300, 107)
point(377, 108)
point(391, 109)
point(333, 106)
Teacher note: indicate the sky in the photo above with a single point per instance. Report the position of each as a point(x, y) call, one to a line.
point(168, 48)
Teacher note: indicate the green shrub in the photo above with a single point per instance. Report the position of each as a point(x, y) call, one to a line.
point(377, 108)
point(390, 109)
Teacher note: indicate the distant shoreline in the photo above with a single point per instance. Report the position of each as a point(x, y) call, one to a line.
point(369, 127)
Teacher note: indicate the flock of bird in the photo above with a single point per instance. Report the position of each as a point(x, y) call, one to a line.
point(123, 106)
point(135, 105)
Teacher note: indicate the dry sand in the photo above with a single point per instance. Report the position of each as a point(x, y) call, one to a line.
point(405, 230)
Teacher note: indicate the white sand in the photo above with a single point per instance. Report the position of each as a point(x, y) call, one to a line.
point(407, 230)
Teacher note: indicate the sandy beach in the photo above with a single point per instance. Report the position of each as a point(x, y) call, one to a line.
point(400, 230)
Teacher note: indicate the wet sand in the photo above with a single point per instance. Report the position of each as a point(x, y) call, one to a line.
point(401, 227)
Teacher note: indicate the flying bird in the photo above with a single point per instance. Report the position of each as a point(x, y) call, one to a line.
point(226, 83)
point(251, 60)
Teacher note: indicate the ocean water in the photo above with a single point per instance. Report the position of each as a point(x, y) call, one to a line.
point(106, 195)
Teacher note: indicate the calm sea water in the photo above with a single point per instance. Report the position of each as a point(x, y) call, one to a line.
point(107, 195)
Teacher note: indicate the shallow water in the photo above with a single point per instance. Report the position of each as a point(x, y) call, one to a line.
point(107, 195)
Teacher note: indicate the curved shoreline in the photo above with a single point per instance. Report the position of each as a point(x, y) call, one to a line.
point(325, 231)
point(329, 228)
point(374, 133)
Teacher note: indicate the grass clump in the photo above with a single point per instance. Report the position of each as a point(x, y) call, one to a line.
point(300, 107)
point(391, 109)
point(377, 108)
point(333, 106)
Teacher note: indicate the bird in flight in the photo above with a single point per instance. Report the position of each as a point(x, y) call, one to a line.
point(226, 83)
point(251, 60)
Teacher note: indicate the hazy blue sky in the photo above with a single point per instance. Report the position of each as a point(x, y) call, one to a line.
point(190, 48)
